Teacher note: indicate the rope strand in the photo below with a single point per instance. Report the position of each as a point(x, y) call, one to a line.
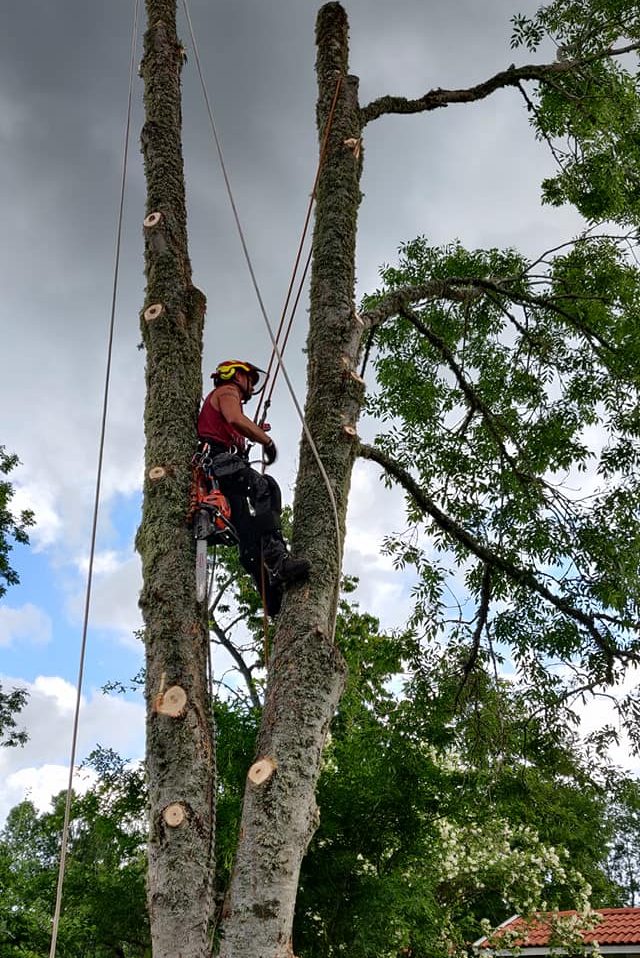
point(214, 779)
point(94, 524)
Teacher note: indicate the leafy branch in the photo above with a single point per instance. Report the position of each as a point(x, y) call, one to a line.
point(501, 562)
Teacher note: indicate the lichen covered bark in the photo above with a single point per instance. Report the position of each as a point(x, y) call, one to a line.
point(180, 756)
point(306, 672)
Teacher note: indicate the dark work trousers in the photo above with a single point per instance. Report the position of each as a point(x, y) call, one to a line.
point(256, 505)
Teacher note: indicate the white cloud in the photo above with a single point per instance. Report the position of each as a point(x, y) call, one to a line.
point(104, 563)
point(375, 512)
point(61, 691)
point(38, 785)
point(114, 595)
point(38, 497)
point(27, 623)
point(41, 766)
point(600, 710)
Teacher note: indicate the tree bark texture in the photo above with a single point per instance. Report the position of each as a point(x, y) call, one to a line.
point(306, 671)
point(180, 742)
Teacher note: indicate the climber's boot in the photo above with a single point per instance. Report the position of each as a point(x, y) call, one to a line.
point(281, 566)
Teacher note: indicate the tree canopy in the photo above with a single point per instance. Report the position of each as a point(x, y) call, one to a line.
point(12, 529)
point(442, 812)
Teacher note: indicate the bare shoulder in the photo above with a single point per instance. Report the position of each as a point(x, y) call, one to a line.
point(228, 391)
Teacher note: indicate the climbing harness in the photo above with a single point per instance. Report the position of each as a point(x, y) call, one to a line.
point(209, 515)
point(55, 922)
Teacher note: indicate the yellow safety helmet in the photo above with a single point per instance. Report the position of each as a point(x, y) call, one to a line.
point(225, 373)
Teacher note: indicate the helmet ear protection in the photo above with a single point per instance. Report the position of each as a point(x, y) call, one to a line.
point(225, 372)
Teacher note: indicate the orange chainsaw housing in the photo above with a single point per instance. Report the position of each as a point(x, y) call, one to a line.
point(205, 494)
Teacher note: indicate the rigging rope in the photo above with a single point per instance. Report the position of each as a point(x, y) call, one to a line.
point(256, 287)
point(214, 776)
point(94, 525)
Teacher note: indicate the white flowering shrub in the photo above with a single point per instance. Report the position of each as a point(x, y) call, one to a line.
point(514, 865)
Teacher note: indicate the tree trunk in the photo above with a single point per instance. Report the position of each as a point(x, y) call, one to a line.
point(306, 672)
point(180, 746)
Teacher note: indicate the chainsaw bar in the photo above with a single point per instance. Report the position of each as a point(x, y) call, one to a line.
point(201, 570)
point(201, 530)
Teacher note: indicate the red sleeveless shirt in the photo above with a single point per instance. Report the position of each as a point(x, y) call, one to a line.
point(213, 425)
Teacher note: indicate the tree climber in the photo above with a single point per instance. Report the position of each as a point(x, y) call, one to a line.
point(254, 498)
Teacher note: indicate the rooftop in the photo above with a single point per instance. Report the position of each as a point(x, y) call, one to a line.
point(618, 926)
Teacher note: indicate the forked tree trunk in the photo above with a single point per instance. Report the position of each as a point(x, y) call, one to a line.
point(179, 733)
point(306, 672)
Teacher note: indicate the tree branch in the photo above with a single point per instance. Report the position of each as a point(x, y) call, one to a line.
point(465, 288)
point(392, 303)
point(492, 559)
point(473, 399)
point(482, 617)
point(511, 77)
point(243, 668)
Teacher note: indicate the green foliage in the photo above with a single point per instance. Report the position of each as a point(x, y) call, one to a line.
point(515, 406)
point(11, 526)
point(443, 805)
point(236, 727)
point(10, 704)
point(104, 910)
point(590, 113)
point(624, 859)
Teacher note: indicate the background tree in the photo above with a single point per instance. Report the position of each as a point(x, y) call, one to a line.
point(441, 810)
point(105, 913)
point(12, 527)
point(587, 101)
point(599, 628)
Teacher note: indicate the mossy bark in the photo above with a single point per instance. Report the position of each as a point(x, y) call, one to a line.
point(180, 749)
point(306, 671)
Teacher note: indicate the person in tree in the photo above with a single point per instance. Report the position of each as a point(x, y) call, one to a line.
point(254, 498)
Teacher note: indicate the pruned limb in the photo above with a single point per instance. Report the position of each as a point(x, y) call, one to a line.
point(262, 770)
point(511, 77)
point(491, 558)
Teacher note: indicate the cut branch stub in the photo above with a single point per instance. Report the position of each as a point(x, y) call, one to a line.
point(156, 473)
point(153, 219)
point(172, 702)
point(174, 814)
point(353, 144)
point(262, 770)
point(349, 430)
point(357, 377)
point(153, 312)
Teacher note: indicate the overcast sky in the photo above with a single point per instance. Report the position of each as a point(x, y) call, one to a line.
point(471, 172)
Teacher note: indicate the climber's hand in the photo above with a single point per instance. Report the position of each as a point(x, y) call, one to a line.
point(270, 452)
point(265, 426)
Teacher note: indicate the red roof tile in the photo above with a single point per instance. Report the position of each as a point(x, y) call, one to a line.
point(617, 926)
